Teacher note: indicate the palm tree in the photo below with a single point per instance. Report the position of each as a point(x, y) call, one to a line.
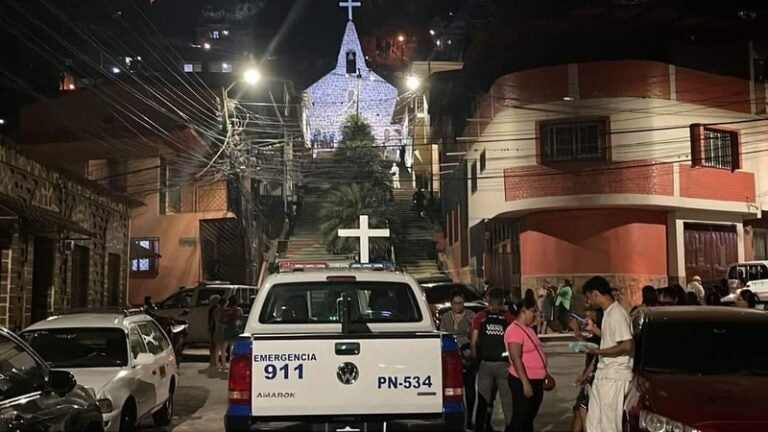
point(343, 209)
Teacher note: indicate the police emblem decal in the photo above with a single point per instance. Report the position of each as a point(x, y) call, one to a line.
point(347, 373)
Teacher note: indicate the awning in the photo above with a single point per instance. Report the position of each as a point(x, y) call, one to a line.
point(41, 216)
point(140, 252)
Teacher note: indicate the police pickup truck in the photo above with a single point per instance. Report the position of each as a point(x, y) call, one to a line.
point(344, 350)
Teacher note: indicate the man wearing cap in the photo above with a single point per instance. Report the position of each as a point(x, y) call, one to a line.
point(696, 287)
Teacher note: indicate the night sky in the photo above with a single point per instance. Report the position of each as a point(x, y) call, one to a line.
point(299, 39)
point(303, 35)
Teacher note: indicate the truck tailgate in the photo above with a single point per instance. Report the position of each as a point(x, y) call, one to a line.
point(325, 375)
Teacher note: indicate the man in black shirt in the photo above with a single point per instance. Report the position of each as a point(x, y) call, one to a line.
point(488, 347)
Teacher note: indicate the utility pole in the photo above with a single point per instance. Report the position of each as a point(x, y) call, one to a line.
point(357, 98)
point(225, 111)
point(287, 152)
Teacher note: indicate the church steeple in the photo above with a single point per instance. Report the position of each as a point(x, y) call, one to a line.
point(351, 51)
point(350, 88)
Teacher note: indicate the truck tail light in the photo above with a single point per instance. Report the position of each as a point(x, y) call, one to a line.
point(240, 373)
point(453, 378)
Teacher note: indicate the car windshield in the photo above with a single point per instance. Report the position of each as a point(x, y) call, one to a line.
point(442, 293)
point(80, 347)
point(318, 303)
point(705, 348)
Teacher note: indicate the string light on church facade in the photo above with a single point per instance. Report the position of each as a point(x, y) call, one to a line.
point(351, 88)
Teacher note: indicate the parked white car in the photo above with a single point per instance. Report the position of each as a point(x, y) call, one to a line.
point(126, 358)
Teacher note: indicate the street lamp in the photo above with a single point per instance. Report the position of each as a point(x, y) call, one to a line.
point(252, 76)
point(412, 82)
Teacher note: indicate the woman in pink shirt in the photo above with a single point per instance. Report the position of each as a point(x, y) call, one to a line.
point(527, 368)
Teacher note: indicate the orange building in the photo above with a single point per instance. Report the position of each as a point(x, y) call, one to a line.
point(188, 228)
point(641, 171)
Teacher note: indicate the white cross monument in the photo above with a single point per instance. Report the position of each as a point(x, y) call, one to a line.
point(349, 5)
point(365, 234)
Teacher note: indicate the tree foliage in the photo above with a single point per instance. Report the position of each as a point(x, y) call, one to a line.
point(358, 160)
point(343, 208)
point(365, 189)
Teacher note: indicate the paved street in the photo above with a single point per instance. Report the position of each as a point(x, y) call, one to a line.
point(201, 398)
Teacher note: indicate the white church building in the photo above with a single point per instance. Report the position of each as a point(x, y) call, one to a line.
point(351, 88)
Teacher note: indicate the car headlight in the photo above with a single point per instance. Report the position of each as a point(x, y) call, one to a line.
point(653, 422)
point(105, 405)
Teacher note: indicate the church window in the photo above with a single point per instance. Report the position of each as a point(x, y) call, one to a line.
point(563, 141)
point(351, 62)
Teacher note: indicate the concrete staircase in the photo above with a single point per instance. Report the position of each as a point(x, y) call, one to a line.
point(415, 248)
point(305, 243)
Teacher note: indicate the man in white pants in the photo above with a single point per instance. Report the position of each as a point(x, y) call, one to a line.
point(614, 370)
point(395, 171)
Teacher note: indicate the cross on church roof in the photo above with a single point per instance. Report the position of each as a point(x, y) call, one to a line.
point(349, 4)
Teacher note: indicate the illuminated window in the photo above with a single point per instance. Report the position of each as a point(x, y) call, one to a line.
point(193, 67)
point(226, 67)
point(149, 246)
point(215, 34)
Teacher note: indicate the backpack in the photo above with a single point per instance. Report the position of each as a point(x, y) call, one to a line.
point(490, 337)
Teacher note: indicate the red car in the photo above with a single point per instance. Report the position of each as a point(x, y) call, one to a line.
point(699, 368)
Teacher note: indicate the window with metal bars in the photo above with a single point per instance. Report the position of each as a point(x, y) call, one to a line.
point(719, 149)
point(573, 141)
point(149, 263)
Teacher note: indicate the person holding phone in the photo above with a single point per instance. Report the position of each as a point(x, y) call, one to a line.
point(585, 378)
point(614, 367)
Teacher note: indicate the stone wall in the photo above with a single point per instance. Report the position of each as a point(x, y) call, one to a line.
point(59, 208)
